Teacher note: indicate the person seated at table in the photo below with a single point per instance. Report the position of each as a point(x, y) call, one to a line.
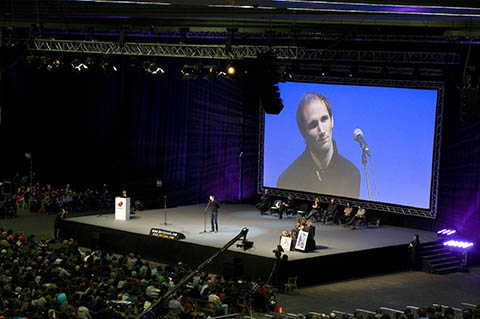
point(289, 204)
point(315, 212)
point(360, 215)
point(264, 205)
point(347, 214)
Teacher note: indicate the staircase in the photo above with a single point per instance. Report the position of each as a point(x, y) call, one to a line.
point(438, 259)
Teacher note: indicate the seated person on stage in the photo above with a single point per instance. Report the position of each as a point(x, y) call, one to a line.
point(360, 215)
point(315, 212)
point(264, 204)
point(289, 204)
point(347, 214)
point(331, 210)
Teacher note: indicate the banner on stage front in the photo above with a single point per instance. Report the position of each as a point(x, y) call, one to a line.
point(301, 240)
point(166, 234)
point(286, 243)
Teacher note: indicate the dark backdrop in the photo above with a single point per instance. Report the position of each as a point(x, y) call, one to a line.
point(129, 129)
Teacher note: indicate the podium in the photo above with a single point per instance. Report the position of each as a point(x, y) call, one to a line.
point(122, 208)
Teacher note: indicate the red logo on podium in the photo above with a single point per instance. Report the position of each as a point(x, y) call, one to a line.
point(120, 204)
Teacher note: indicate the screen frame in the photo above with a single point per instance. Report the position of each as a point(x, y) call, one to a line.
point(430, 212)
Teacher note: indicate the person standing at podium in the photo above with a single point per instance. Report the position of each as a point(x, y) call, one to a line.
point(214, 213)
point(124, 194)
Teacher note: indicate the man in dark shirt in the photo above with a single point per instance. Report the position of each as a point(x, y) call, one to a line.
point(289, 204)
point(331, 210)
point(264, 203)
point(214, 216)
point(320, 168)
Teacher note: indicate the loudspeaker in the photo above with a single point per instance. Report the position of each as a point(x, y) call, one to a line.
point(271, 101)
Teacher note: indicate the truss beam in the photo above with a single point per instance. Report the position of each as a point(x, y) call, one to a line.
point(240, 52)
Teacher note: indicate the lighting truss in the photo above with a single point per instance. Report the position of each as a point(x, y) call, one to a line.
point(376, 206)
point(217, 51)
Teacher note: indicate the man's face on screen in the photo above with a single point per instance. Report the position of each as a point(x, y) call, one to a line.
point(317, 126)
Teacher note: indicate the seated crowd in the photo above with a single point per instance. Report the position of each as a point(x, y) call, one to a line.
point(431, 312)
point(42, 279)
point(48, 199)
point(315, 211)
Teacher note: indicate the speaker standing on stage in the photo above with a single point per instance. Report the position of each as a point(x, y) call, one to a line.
point(214, 209)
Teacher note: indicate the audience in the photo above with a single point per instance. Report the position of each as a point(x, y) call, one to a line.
point(47, 199)
point(42, 279)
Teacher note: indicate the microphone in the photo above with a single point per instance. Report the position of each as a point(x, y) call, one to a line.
point(358, 136)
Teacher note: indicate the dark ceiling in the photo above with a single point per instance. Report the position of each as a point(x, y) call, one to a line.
point(448, 18)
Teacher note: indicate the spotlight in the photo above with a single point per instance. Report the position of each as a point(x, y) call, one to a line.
point(106, 64)
point(191, 72)
point(231, 70)
point(283, 74)
point(54, 64)
point(78, 65)
point(211, 72)
point(89, 61)
point(154, 69)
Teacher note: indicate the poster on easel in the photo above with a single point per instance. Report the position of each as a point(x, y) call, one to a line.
point(301, 240)
point(286, 243)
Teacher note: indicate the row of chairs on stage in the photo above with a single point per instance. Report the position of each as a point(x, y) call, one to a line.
point(318, 215)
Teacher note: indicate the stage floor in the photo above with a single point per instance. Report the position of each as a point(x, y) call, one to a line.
point(264, 230)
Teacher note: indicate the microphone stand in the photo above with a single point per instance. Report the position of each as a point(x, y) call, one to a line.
point(205, 218)
point(373, 179)
point(165, 208)
point(364, 162)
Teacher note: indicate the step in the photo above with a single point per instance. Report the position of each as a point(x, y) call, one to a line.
point(435, 244)
point(445, 264)
point(442, 259)
point(448, 269)
point(435, 249)
point(437, 255)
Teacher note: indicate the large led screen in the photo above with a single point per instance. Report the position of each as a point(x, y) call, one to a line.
point(328, 134)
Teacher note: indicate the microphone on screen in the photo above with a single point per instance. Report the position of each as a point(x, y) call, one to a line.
point(358, 136)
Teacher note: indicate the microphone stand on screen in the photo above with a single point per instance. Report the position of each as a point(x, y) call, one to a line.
point(358, 136)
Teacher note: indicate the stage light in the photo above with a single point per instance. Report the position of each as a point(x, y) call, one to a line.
point(191, 72)
point(458, 244)
point(446, 232)
point(78, 65)
point(154, 69)
point(211, 72)
point(231, 70)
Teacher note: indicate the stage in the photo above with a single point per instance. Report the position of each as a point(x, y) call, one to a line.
point(336, 245)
